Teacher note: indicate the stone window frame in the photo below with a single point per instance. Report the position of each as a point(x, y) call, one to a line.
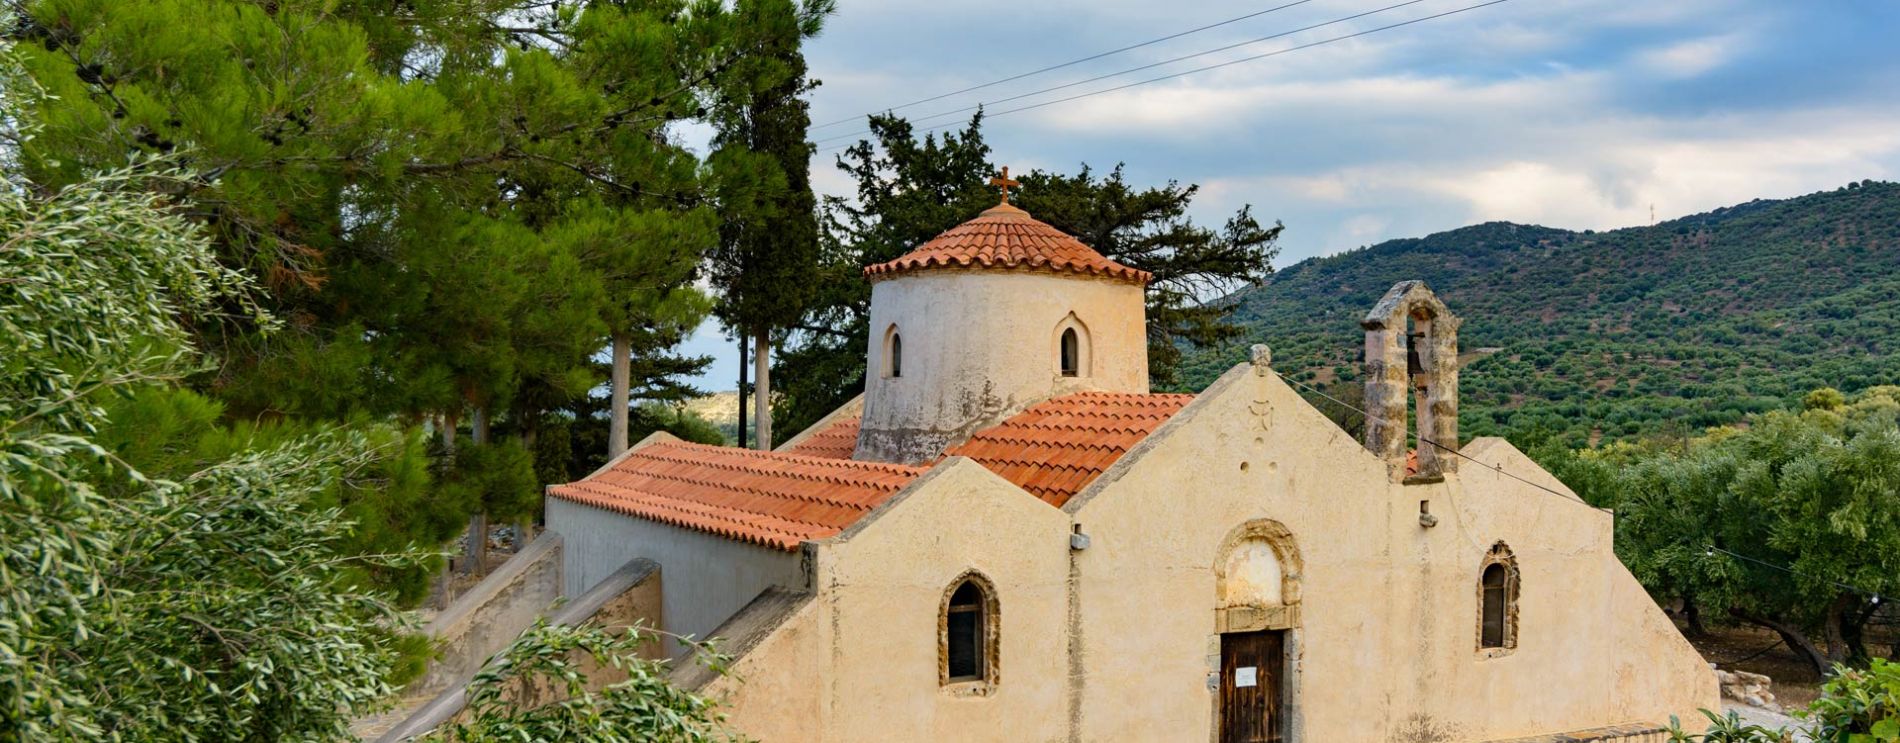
point(1084, 347)
point(892, 366)
point(990, 640)
point(1500, 554)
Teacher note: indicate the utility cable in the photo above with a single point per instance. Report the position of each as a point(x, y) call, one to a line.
point(1072, 62)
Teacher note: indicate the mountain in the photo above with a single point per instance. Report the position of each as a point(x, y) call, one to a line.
point(1592, 336)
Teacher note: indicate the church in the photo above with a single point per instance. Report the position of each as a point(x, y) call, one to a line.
point(1010, 537)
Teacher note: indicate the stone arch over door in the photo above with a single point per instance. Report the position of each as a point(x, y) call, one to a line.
point(1254, 678)
point(1257, 578)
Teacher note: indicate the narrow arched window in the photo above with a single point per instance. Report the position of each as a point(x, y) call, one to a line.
point(1497, 600)
point(1494, 605)
point(1071, 353)
point(893, 353)
point(968, 625)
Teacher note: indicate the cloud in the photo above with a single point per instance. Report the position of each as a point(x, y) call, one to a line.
point(1692, 58)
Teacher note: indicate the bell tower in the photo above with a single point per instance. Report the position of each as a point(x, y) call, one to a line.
point(1412, 352)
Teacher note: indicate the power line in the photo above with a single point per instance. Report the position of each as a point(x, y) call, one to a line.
point(1209, 67)
point(1709, 549)
point(1149, 66)
point(1073, 62)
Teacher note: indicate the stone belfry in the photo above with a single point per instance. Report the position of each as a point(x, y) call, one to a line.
point(992, 316)
point(1412, 352)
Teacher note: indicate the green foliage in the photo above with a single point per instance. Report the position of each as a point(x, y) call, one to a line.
point(1817, 492)
point(1658, 331)
point(1727, 728)
point(497, 478)
point(451, 203)
point(909, 190)
point(1858, 706)
point(209, 606)
point(508, 701)
point(169, 432)
point(1855, 706)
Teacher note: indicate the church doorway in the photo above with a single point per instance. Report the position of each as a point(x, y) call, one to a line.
point(1251, 681)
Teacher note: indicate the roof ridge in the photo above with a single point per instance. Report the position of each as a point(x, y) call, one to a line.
point(756, 491)
point(786, 456)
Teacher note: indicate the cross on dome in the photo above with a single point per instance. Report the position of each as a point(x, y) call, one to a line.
point(1004, 183)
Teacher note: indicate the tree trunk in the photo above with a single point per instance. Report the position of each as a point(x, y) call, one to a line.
point(1795, 640)
point(475, 553)
point(617, 398)
point(446, 428)
point(744, 442)
point(1831, 627)
point(448, 432)
point(762, 395)
point(1693, 615)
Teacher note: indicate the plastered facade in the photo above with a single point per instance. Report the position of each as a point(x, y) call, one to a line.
point(1118, 641)
point(981, 345)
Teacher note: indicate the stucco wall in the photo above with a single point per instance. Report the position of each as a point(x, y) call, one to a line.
point(486, 620)
point(865, 649)
point(708, 578)
point(979, 346)
point(1386, 640)
point(1118, 641)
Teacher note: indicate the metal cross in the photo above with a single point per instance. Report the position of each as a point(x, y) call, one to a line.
point(1004, 183)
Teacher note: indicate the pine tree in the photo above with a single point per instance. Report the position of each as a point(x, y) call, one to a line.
point(406, 180)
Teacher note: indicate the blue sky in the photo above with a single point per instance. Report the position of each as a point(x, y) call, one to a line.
point(1568, 113)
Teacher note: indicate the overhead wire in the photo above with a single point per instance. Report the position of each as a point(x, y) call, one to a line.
point(1183, 73)
point(1149, 66)
point(1070, 63)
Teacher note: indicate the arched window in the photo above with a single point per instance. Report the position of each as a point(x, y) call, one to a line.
point(1071, 347)
point(1497, 600)
point(893, 353)
point(1071, 353)
point(968, 627)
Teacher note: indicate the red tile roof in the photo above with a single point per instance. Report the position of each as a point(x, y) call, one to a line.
point(1057, 447)
point(815, 490)
point(836, 441)
point(1005, 237)
point(773, 499)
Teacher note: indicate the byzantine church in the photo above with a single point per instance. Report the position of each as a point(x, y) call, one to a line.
point(1010, 537)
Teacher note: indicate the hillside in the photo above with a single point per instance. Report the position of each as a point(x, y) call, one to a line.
point(1590, 336)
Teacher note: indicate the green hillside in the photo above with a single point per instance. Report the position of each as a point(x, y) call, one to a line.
point(1592, 336)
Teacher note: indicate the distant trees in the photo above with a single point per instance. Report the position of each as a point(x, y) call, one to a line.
point(1791, 524)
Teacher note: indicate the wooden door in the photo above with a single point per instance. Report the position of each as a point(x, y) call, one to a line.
point(1251, 666)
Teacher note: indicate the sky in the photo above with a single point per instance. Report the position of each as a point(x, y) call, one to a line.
point(1581, 114)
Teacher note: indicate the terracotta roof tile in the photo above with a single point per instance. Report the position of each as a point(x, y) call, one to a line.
point(836, 441)
point(775, 499)
point(1056, 448)
point(1005, 237)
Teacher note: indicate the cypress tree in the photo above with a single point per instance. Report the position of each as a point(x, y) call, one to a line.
point(768, 236)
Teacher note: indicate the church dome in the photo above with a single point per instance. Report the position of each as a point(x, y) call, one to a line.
point(987, 319)
point(1005, 237)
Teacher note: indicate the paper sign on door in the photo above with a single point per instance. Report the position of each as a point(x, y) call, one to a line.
point(1245, 676)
